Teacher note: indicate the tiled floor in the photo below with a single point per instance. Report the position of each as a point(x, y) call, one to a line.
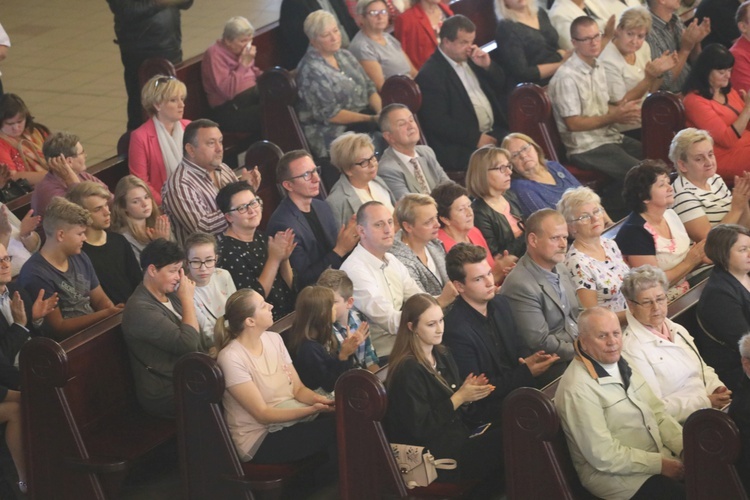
point(64, 64)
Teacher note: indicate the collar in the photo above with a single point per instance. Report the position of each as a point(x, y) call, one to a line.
point(658, 21)
point(452, 63)
point(198, 170)
point(405, 159)
point(596, 370)
point(579, 64)
point(5, 295)
point(550, 275)
point(369, 259)
point(641, 333)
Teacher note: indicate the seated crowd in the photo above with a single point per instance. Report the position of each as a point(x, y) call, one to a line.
point(464, 291)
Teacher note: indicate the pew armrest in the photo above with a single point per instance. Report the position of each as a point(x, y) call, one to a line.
point(96, 465)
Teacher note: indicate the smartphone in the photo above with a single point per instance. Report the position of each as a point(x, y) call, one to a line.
point(480, 430)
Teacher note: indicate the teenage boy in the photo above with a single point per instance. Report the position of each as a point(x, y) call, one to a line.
point(348, 321)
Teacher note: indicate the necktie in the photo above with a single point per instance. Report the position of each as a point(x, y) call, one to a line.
point(423, 187)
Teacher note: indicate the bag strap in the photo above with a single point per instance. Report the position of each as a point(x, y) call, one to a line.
point(445, 464)
point(708, 334)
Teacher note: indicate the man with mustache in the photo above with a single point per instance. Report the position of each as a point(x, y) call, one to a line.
point(541, 292)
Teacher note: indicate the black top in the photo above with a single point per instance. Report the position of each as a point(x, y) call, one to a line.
point(633, 238)
point(148, 25)
point(721, 13)
point(317, 367)
point(245, 262)
point(520, 48)
point(12, 339)
point(496, 229)
point(724, 311)
point(115, 266)
point(315, 225)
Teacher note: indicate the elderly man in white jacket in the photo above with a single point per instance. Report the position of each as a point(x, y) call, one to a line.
point(663, 351)
point(623, 443)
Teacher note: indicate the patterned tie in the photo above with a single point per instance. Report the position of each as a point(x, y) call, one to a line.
point(423, 187)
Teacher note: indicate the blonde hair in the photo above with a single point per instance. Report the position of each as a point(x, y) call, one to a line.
point(406, 206)
point(345, 147)
point(634, 18)
point(678, 149)
point(239, 307)
point(121, 222)
point(159, 89)
point(503, 12)
point(61, 212)
point(573, 198)
point(479, 164)
point(316, 23)
point(85, 189)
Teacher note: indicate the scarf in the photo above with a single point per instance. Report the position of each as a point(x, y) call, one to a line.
point(170, 145)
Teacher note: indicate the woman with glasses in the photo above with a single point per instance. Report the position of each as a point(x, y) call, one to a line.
point(335, 93)
point(496, 211)
point(653, 233)
point(595, 262)
point(379, 53)
point(537, 182)
point(354, 156)
point(723, 310)
point(213, 285)
point(253, 259)
point(702, 198)
point(21, 140)
point(155, 147)
point(663, 351)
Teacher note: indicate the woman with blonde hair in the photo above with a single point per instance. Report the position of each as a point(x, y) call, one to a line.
point(312, 342)
point(426, 397)
point(155, 147)
point(136, 216)
point(270, 413)
point(496, 210)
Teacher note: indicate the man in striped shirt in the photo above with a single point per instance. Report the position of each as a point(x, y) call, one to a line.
point(189, 195)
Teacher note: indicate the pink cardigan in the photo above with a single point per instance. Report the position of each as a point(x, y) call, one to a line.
point(223, 76)
point(145, 159)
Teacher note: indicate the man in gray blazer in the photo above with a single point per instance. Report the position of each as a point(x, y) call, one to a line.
point(541, 291)
point(396, 166)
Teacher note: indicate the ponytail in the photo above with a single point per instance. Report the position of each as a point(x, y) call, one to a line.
point(239, 307)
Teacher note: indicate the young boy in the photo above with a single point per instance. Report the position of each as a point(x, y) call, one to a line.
point(343, 291)
point(61, 267)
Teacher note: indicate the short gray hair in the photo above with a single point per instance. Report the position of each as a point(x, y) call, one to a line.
point(362, 6)
point(685, 138)
point(744, 345)
point(316, 23)
point(236, 27)
point(573, 198)
point(643, 278)
point(586, 317)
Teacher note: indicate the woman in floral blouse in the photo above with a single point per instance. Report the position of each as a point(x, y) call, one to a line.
point(335, 93)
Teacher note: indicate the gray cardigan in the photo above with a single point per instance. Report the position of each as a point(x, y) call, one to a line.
point(156, 339)
point(421, 273)
point(345, 202)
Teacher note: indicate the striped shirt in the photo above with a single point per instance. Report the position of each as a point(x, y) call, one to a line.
point(189, 199)
point(692, 202)
point(667, 36)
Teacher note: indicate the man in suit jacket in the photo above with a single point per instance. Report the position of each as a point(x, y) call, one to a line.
point(320, 242)
point(291, 18)
point(541, 291)
point(396, 167)
point(481, 333)
point(462, 96)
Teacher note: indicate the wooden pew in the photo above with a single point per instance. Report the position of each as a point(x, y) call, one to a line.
point(265, 155)
point(530, 112)
point(662, 116)
point(278, 95)
point(83, 427)
point(712, 447)
point(482, 14)
point(537, 460)
point(367, 468)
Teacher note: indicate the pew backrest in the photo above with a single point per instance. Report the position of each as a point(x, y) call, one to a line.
point(278, 95)
point(662, 116)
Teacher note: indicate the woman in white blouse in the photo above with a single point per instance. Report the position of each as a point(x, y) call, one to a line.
point(663, 352)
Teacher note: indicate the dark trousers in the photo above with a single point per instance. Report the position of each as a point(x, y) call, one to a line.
point(241, 114)
point(660, 487)
point(131, 61)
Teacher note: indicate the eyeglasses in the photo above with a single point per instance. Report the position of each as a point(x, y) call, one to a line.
point(375, 13)
point(367, 162)
point(517, 154)
point(256, 204)
point(307, 175)
point(197, 264)
point(588, 39)
point(162, 79)
point(649, 304)
point(505, 169)
point(586, 218)
point(82, 153)
point(7, 259)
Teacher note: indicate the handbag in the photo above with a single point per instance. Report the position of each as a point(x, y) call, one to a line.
point(417, 465)
point(14, 189)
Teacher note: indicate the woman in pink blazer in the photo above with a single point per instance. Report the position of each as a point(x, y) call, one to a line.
point(156, 146)
point(418, 27)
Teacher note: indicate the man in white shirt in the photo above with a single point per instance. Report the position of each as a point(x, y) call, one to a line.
point(405, 167)
point(381, 282)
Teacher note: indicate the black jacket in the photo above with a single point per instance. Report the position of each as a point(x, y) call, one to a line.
point(447, 115)
point(145, 26)
point(12, 339)
point(496, 229)
point(724, 311)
